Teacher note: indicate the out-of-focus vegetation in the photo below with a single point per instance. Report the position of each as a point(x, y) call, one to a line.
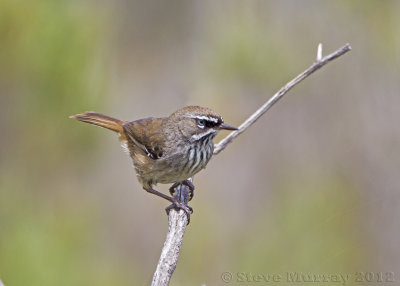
point(312, 187)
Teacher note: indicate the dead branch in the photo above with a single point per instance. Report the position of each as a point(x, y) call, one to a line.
point(177, 220)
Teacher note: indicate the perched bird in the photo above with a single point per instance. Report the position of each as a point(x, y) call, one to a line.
point(168, 149)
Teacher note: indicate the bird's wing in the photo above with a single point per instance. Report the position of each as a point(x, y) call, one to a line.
point(147, 135)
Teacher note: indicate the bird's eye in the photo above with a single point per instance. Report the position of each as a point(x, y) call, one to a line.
point(201, 123)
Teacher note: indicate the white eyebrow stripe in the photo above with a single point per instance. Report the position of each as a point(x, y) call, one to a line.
point(212, 119)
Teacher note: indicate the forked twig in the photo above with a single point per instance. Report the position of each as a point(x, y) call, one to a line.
point(177, 219)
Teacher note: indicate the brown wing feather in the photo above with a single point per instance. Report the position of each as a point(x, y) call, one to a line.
point(147, 135)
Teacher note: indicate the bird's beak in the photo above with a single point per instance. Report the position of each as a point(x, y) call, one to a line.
point(227, 127)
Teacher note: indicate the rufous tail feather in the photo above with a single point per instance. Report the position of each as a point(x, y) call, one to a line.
point(102, 121)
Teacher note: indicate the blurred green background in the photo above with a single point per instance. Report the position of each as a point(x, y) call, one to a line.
point(312, 187)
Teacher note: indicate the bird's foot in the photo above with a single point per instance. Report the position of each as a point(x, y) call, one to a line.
point(188, 183)
point(177, 205)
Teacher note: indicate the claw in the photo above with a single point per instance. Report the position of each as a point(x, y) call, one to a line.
point(177, 205)
point(173, 187)
point(188, 183)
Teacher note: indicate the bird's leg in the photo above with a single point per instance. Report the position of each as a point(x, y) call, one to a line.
point(182, 193)
point(157, 193)
point(176, 203)
point(188, 183)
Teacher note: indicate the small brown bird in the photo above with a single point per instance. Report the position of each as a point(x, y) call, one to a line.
point(169, 149)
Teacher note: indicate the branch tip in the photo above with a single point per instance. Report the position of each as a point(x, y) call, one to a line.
point(275, 98)
point(319, 52)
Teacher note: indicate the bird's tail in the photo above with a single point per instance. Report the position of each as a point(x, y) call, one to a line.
point(102, 121)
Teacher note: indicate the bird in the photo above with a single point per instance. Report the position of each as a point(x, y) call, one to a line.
point(168, 149)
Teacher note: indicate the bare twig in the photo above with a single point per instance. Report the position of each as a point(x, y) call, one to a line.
point(177, 219)
point(256, 115)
